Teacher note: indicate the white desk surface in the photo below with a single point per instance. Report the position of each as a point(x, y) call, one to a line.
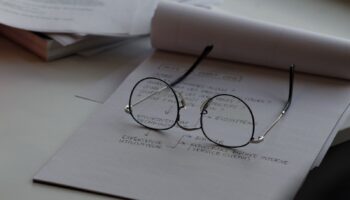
point(38, 110)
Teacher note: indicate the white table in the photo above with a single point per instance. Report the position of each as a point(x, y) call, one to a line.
point(38, 110)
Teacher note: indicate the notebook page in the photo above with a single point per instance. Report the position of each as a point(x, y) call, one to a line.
point(186, 29)
point(111, 154)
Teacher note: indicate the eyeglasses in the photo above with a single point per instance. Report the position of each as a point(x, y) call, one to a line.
point(225, 119)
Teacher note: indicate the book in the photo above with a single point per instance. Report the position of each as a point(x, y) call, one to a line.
point(112, 154)
point(49, 49)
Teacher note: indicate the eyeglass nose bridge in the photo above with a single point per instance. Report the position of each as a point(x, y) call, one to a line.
point(204, 106)
point(182, 101)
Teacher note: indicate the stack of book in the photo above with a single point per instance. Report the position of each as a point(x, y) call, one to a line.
point(54, 29)
point(51, 47)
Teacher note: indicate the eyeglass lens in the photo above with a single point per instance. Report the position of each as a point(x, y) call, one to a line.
point(154, 104)
point(227, 120)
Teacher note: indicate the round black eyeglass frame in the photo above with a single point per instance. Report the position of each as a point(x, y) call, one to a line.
point(179, 107)
point(206, 51)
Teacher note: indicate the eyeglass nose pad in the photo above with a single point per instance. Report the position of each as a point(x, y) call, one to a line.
point(204, 106)
point(182, 100)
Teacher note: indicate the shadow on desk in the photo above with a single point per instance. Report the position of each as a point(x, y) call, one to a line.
point(332, 179)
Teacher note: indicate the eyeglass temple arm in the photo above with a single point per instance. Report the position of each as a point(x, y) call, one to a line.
point(285, 108)
point(203, 55)
point(127, 107)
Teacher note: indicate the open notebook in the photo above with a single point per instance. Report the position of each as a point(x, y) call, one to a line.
point(111, 154)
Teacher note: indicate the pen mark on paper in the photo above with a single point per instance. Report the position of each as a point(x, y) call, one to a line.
point(200, 145)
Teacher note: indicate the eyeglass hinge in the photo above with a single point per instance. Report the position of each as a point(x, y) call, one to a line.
point(127, 109)
point(258, 140)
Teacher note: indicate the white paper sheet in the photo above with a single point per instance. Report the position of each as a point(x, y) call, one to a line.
point(202, 3)
point(111, 154)
point(130, 54)
point(66, 39)
point(103, 17)
point(187, 29)
point(333, 138)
